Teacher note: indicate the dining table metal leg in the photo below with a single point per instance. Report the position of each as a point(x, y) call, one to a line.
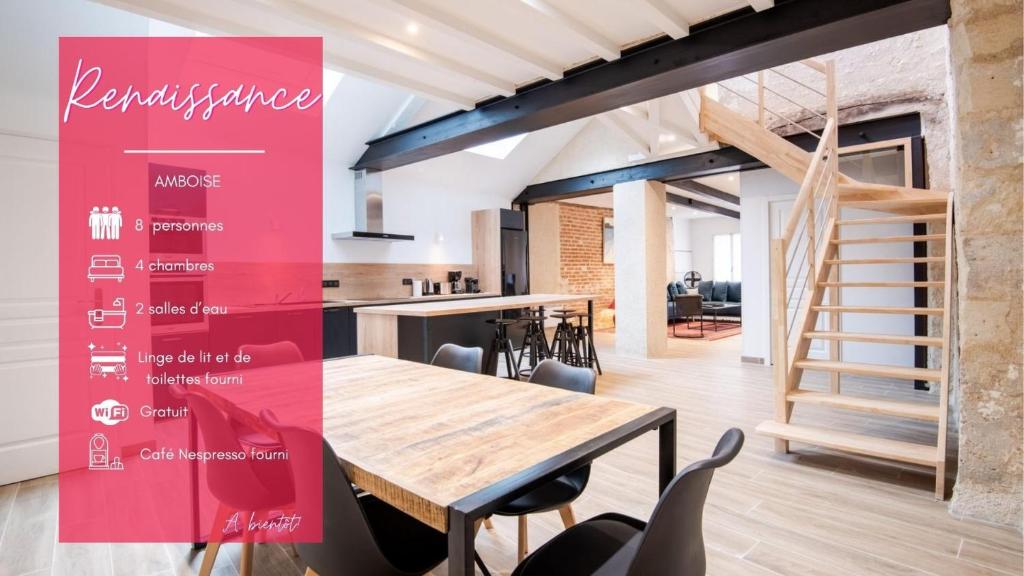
point(193, 480)
point(590, 335)
point(461, 552)
point(666, 454)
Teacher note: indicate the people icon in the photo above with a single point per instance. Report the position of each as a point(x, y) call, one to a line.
point(105, 223)
point(95, 222)
point(114, 226)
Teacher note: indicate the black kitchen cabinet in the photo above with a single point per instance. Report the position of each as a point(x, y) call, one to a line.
point(339, 332)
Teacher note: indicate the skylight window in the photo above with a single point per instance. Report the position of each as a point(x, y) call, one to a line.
point(331, 81)
point(499, 148)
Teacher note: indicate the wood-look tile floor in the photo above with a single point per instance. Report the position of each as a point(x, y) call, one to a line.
point(812, 512)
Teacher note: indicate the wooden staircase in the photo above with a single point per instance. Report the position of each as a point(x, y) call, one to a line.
point(807, 261)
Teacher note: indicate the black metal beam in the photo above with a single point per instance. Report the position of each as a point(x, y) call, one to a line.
point(719, 161)
point(698, 205)
point(737, 44)
point(702, 189)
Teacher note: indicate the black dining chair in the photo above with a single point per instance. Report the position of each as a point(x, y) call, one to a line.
point(246, 486)
point(362, 535)
point(670, 544)
point(459, 358)
point(560, 492)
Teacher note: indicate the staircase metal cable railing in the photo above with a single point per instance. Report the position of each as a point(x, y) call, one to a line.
point(783, 99)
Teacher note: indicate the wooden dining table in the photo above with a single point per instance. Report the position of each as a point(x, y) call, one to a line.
point(450, 448)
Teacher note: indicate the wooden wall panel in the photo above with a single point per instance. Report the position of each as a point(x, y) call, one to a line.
point(384, 280)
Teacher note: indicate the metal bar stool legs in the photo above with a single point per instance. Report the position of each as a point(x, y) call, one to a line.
point(565, 347)
point(585, 337)
point(535, 343)
point(502, 345)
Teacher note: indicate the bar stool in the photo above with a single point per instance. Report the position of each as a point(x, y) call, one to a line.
point(501, 345)
point(585, 337)
point(535, 341)
point(564, 346)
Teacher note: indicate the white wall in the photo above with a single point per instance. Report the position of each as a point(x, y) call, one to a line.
point(682, 251)
point(702, 233)
point(758, 189)
point(28, 223)
point(597, 147)
point(426, 199)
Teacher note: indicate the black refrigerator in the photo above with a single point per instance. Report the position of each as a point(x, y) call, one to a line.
point(514, 241)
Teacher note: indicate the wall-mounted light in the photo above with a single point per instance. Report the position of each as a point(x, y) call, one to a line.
point(412, 28)
point(438, 238)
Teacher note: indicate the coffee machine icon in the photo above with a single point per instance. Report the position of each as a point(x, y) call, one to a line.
point(99, 454)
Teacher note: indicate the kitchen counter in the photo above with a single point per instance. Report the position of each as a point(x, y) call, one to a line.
point(414, 331)
point(426, 309)
point(407, 299)
point(345, 303)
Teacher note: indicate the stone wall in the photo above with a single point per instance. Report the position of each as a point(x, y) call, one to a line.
point(986, 59)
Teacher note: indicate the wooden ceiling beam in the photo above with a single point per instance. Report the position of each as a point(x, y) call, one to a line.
point(664, 17)
point(329, 23)
point(703, 190)
point(460, 28)
point(594, 40)
point(695, 164)
point(730, 46)
point(194, 18)
point(672, 197)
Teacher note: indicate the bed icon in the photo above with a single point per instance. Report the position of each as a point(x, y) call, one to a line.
point(105, 267)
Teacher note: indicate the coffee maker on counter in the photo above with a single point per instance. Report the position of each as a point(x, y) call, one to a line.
point(454, 276)
point(472, 285)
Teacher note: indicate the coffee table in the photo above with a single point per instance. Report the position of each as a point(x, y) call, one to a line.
point(716, 308)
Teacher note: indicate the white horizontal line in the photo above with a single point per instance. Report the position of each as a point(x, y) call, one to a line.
point(194, 151)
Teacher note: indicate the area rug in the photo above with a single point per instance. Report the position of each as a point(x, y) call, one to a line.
point(691, 331)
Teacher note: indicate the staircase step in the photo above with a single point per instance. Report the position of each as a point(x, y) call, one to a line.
point(913, 206)
point(922, 284)
point(888, 191)
point(878, 370)
point(880, 310)
point(919, 260)
point(891, 239)
point(934, 342)
point(913, 218)
point(909, 452)
point(915, 410)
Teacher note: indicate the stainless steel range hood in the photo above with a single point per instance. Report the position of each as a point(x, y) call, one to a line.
point(369, 211)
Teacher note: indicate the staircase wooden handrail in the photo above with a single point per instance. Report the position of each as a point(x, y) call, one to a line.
point(807, 186)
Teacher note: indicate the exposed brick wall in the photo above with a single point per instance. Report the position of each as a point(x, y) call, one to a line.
point(582, 270)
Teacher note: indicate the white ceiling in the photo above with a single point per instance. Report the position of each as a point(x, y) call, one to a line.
point(456, 52)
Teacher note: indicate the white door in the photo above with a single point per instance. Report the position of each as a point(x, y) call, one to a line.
point(28, 308)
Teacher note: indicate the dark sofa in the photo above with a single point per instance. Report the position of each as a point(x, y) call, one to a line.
point(710, 291)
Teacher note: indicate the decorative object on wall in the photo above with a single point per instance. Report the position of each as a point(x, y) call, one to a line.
point(692, 278)
point(608, 240)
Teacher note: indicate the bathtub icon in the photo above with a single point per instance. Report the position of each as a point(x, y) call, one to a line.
point(114, 318)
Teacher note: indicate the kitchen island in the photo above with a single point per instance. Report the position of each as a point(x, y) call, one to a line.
point(415, 331)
